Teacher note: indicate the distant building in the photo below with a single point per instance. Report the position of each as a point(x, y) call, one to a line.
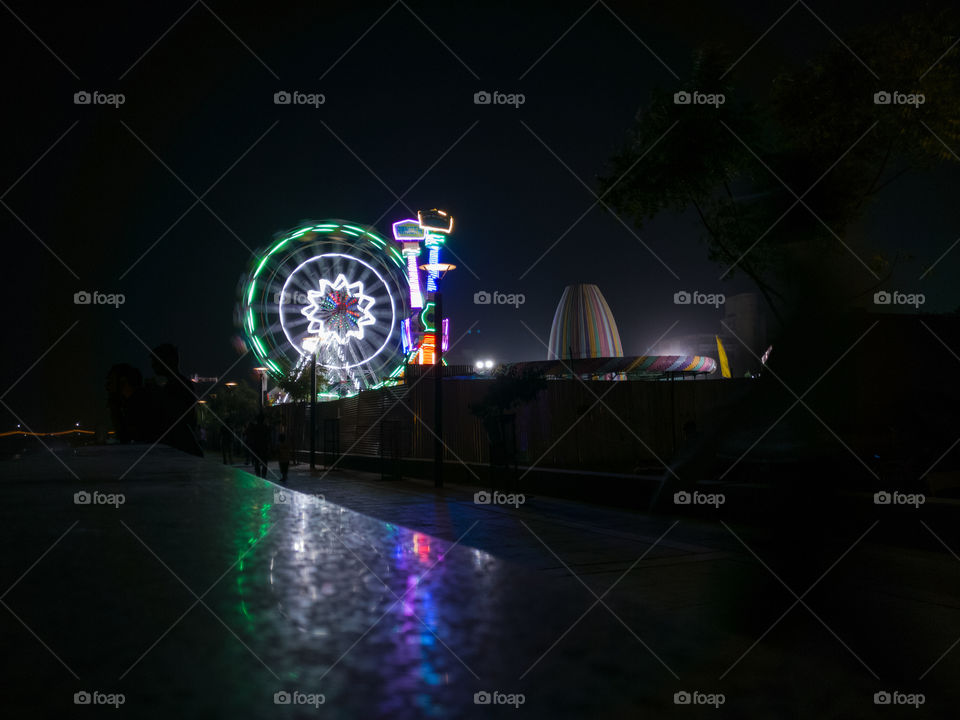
point(583, 326)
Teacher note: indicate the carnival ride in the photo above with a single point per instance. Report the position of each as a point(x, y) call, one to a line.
point(341, 294)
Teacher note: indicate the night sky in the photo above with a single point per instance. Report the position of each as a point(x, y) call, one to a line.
point(399, 114)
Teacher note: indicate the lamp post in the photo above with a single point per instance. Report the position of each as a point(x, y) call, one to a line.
point(262, 372)
point(313, 410)
point(440, 269)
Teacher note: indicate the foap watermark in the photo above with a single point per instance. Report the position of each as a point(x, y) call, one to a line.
point(696, 497)
point(285, 497)
point(482, 97)
point(498, 298)
point(95, 697)
point(882, 97)
point(84, 297)
point(291, 298)
point(895, 697)
point(695, 297)
point(295, 697)
point(495, 697)
point(895, 297)
point(695, 697)
point(295, 97)
point(698, 98)
point(82, 97)
point(898, 498)
point(98, 498)
point(498, 498)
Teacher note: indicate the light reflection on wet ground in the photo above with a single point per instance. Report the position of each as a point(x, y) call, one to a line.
point(208, 591)
point(296, 594)
point(352, 595)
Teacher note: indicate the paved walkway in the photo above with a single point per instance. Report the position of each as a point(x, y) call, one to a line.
point(207, 591)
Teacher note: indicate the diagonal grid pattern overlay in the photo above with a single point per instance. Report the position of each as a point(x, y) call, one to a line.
point(446, 557)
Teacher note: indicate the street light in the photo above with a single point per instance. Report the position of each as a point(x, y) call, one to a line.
point(440, 269)
point(313, 404)
point(483, 365)
point(262, 372)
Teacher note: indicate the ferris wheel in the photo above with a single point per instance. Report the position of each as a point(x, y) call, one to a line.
point(334, 289)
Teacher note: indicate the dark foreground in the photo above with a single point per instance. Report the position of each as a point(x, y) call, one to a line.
point(209, 593)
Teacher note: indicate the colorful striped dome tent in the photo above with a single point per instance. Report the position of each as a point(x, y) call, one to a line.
point(654, 364)
point(583, 326)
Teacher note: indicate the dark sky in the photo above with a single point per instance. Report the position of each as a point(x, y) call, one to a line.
point(200, 95)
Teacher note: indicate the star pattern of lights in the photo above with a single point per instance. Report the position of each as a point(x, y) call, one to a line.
point(339, 310)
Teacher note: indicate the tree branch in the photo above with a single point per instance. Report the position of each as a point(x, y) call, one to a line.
point(763, 287)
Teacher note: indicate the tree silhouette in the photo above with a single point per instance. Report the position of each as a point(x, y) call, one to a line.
point(818, 133)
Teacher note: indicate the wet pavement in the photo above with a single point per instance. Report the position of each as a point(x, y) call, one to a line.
point(190, 589)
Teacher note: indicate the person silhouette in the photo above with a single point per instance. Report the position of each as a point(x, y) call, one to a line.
point(283, 456)
point(258, 442)
point(174, 402)
point(226, 444)
point(127, 403)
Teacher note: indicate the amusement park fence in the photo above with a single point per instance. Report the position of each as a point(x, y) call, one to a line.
point(623, 430)
point(623, 427)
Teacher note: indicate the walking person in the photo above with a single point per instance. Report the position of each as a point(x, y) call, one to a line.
point(226, 444)
point(259, 445)
point(245, 434)
point(283, 456)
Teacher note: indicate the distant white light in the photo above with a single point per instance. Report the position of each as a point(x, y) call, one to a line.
point(478, 366)
point(488, 364)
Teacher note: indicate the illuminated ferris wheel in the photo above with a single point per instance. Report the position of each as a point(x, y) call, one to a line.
point(335, 289)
